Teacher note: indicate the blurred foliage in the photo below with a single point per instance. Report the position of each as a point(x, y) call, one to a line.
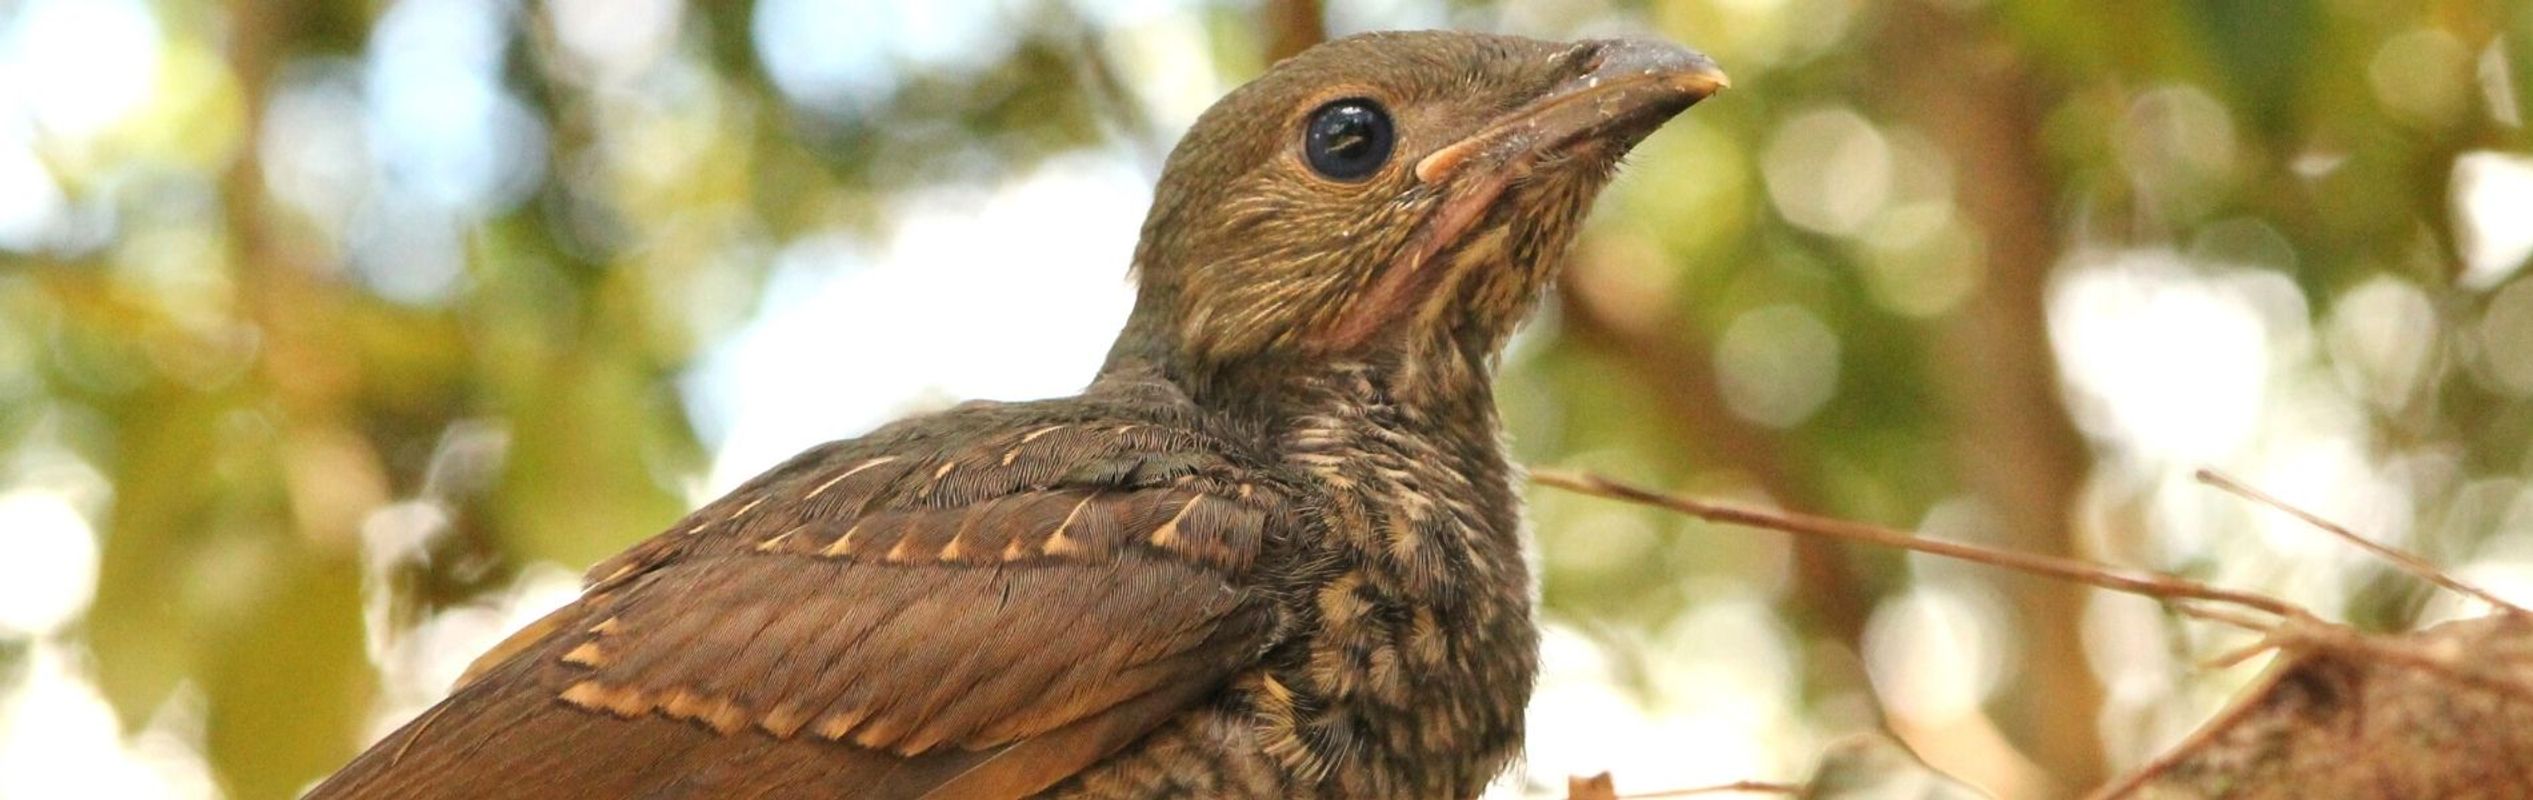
point(341, 272)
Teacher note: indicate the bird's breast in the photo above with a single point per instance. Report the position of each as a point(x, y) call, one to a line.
point(1412, 648)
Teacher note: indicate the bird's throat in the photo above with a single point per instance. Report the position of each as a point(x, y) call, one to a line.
point(1414, 273)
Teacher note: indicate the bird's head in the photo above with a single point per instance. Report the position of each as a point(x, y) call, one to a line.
point(1388, 194)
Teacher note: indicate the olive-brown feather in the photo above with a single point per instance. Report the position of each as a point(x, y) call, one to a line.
point(1274, 550)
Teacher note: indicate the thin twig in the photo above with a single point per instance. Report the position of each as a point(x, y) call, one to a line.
point(2254, 625)
point(2402, 559)
point(1747, 787)
point(2165, 587)
point(2230, 658)
point(2268, 630)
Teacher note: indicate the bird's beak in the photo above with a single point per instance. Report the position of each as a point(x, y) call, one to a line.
point(1627, 89)
point(1631, 88)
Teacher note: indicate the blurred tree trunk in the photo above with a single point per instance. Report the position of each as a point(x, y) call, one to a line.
point(2016, 449)
point(290, 686)
point(1292, 26)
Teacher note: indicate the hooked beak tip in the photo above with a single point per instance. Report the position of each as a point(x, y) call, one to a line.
point(1703, 83)
point(1679, 68)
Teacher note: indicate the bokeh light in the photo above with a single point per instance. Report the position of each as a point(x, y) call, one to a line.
point(335, 350)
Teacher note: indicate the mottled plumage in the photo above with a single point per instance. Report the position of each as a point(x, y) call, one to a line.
point(1272, 551)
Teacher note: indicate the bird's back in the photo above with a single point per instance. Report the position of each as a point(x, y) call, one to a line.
point(974, 604)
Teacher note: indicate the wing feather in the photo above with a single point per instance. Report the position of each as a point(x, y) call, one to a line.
point(936, 610)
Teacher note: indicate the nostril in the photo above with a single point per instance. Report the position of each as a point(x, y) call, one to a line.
point(1583, 57)
point(1600, 56)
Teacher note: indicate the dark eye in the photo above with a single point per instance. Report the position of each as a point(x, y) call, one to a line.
point(1348, 140)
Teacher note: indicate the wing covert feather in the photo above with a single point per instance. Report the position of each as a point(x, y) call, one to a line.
point(931, 608)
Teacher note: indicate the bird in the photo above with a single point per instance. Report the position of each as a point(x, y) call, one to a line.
point(1274, 549)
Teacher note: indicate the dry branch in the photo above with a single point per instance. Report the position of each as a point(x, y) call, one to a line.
point(2402, 559)
point(1604, 787)
point(2443, 712)
point(2155, 585)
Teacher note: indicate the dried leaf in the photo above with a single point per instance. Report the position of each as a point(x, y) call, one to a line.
point(1597, 787)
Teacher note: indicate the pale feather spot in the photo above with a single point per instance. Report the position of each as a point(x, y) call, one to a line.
point(1167, 536)
point(1425, 639)
point(878, 735)
point(822, 488)
point(1276, 692)
point(587, 654)
point(751, 506)
point(1388, 683)
point(784, 721)
point(1339, 605)
point(776, 542)
point(1060, 544)
point(844, 544)
point(587, 695)
point(595, 696)
point(903, 551)
point(934, 485)
point(717, 713)
point(838, 725)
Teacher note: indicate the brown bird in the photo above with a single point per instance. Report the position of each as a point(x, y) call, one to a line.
point(1273, 550)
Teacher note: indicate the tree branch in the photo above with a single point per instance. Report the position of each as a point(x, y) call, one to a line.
point(2146, 584)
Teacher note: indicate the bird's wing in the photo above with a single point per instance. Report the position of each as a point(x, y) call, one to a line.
point(944, 613)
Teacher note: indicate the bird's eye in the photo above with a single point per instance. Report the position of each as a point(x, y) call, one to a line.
point(1348, 140)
